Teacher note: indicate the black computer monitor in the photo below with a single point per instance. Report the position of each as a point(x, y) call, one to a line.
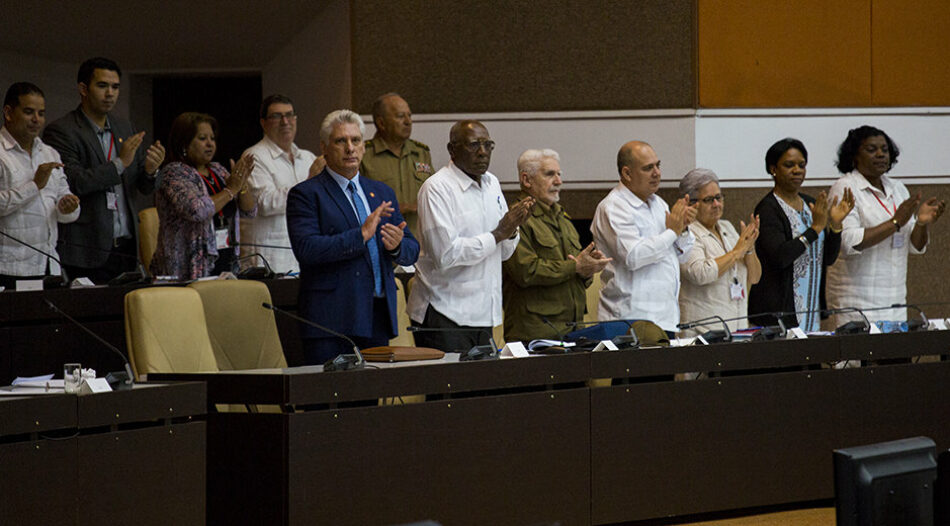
point(890, 483)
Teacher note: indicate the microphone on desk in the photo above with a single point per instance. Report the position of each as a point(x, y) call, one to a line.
point(478, 352)
point(139, 275)
point(713, 336)
point(922, 323)
point(343, 362)
point(265, 272)
point(854, 326)
point(119, 381)
point(49, 282)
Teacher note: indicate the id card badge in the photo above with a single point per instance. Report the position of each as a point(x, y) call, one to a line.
point(898, 240)
point(112, 201)
point(221, 238)
point(736, 290)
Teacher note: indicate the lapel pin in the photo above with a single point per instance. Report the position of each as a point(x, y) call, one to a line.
point(371, 194)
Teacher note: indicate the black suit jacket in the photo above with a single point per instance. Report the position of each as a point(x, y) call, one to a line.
point(90, 176)
point(778, 250)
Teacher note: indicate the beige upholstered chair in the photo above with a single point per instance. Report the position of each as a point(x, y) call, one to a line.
point(165, 331)
point(243, 333)
point(148, 235)
point(593, 298)
point(404, 337)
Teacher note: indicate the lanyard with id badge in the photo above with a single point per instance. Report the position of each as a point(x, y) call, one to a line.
point(221, 220)
point(898, 238)
point(736, 289)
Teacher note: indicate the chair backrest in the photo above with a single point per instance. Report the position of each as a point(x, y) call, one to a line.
point(593, 299)
point(148, 235)
point(243, 333)
point(165, 331)
point(404, 337)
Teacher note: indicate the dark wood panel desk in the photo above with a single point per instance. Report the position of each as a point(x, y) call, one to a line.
point(35, 340)
point(132, 457)
point(759, 431)
point(499, 442)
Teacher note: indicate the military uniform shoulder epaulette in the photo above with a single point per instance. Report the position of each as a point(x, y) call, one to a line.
point(422, 145)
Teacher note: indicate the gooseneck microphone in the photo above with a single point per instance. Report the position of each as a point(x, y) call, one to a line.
point(139, 275)
point(343, 362)
point(256, 272)
point(120, 381)
point(714, 336)
point(560, 334)
point(62, 270)
point(478, 352)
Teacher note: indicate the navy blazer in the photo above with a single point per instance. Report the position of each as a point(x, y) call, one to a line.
point(336, 276)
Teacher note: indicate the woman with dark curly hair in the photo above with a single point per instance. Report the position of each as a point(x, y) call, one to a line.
point(798, 236)
point(886, 223)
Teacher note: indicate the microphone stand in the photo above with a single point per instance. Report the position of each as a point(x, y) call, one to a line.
point(53, 283)
point(714, 336)
point(343, 362)
point(122, 381)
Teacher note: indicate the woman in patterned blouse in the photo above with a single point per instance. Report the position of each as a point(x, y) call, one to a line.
point(198, 203)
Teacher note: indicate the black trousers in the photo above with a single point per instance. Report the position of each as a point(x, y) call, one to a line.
point(459, 340)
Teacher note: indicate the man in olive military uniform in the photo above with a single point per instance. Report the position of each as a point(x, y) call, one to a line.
point(547, 276)
point(395, 159)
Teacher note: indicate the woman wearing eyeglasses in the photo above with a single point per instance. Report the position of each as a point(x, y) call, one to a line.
point(722, 264)
point(799, 237)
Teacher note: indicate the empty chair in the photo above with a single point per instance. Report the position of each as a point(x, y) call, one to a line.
point(243, 333)
point(165, 332)
point(148, 235)
point(404, 337)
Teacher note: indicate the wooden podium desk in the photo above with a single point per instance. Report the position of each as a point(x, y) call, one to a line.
point(498, 442)
point(127, 457)
point(526, 441)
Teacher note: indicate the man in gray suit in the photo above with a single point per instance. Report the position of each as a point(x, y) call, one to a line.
point(105, 166)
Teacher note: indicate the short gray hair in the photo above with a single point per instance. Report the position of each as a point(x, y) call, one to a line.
point(340, 117)
point(695, 179)
point(530, 160)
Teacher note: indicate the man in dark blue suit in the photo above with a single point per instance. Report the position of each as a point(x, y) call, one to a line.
point(346, 232)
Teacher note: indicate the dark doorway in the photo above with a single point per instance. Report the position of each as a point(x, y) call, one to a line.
point(234, 100)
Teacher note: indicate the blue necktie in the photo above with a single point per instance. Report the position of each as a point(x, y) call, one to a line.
point(371, 244)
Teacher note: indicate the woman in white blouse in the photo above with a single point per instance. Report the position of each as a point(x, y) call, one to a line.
point(722, 265)
point(886, 223)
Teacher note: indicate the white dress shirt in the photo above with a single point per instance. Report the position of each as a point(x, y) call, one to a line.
point(271, 179)
point(875, 276)
point(704, 292)
point(459, 267)
point(643, 280)
point(26, 212)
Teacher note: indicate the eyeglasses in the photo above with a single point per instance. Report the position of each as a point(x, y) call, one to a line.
point(279, 116)
point(708, 200)
point(474, 146)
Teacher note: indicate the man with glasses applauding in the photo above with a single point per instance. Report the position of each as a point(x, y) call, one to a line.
point(278, 165)
point(466, 230)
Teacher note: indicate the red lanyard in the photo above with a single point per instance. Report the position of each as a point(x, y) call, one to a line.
point(111, 142)
point(214, 185)
point(885, 206)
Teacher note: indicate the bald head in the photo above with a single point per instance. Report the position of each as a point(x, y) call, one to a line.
point(470, 147)
point(639, 168)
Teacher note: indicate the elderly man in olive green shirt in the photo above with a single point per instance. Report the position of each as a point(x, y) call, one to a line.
point(393, 158)
point(546, 278)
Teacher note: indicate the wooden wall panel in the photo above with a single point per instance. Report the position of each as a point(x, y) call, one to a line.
point(909, 52)
point(524, 55)
point(775, 53)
